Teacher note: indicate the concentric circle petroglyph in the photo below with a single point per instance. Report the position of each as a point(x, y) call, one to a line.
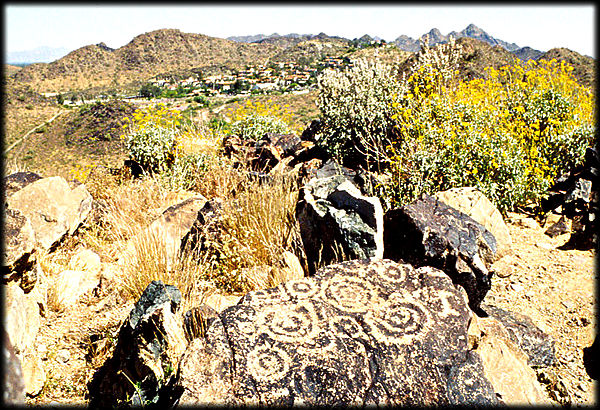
point(346, 326)
point(402, 321)
point(395, 273)
point(301, 288)
point(290, 322)
point(350, 294)
point(268, 364)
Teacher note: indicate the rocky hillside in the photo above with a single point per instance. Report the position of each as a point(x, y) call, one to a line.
point(584, 66)
point(146, 55)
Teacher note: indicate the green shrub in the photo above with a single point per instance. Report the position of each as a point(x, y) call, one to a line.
point(356, 109)
point(186, 171)
point(253, 126)
point(152, 147)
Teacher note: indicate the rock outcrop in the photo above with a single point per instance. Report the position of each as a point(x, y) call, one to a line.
point(357, 333)
point(147, 353)
point(505, 364)
point(336, 222)
point(169, 232)
point(537, 345)
point(428, 232)
point(13, 384)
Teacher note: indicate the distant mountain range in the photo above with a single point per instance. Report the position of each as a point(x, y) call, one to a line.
point(37, 55)
point(403, 42)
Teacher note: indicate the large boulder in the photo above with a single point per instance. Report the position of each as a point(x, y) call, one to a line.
point(167, 232)
point(147, 352)
point(338, 222)
point(427, 232)
point(471, 201)
point(23, 311)
point(19, 245)
point(505, 364)
point(535, 343)
point(363, 332)
point(53, 208)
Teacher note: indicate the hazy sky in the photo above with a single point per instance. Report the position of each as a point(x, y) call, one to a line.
point(539, 27)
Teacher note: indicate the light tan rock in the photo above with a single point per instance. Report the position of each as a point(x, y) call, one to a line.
point(21, 317)
point(221, 302)
point(164, 235)
point(34, 374)
point(19, 243)
point(472, 202)
point(505, 364)
point(53, 208)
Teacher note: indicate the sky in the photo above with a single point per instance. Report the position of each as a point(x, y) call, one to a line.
point(542, 27)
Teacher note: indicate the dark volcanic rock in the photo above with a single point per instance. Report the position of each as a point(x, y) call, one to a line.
point(17, 181)
point(537, 345)
point(149, 345)
point(428, 232)
point(357, 333)
point(337, 221)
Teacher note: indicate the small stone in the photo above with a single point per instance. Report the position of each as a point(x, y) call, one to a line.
point(516, 287)
point(544, 245)
point(568, 304)
point(63, 355)
point(584, 321)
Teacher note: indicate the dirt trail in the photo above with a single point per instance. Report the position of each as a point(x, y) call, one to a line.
point(14, 144)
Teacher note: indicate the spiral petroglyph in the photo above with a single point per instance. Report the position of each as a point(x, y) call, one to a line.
point(301, 288)
point(402, 321)
point(350, 294)
point(268, 364)
point(290, 323)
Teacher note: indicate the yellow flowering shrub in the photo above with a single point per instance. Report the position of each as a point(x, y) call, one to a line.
point(510, 134)
point(250, 121)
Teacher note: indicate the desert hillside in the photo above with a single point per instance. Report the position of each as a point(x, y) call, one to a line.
point(300, 220)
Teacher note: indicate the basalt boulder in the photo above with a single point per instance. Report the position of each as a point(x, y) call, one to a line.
point(427, 232)
point(363, 332)
point(149, 345)
point(535, 343)
point(337, 221)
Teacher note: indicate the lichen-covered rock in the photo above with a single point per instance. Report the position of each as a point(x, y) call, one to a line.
point(19, 245)
point(471, 201)
point(337, 221)
point(427, 232)
point(363, 332)
point(537, 345)
point(53, 208)
point(147, 352)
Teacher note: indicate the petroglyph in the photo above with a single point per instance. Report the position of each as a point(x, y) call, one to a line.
point(358, 332)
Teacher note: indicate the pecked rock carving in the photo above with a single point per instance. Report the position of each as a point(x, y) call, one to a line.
point(357, 333)
point(427, 232)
